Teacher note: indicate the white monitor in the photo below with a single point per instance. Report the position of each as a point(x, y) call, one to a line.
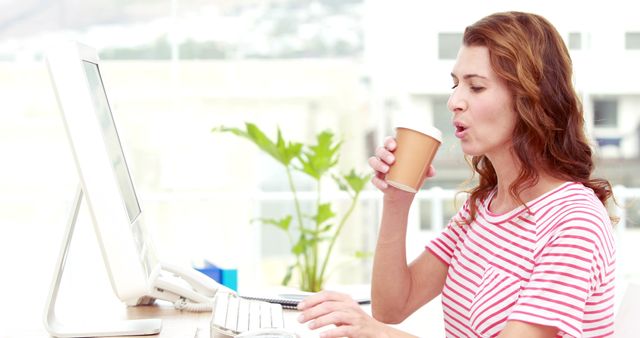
point(106, 186)
point(102, 169)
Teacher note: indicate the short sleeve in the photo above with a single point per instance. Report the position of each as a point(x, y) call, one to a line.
point(445, 244)
point(567, 272)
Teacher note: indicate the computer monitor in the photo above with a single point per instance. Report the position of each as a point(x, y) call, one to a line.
point(135, 274)
point(102, 169)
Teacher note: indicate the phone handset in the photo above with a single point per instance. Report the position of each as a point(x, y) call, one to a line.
point(200, 282)
point(188, 289)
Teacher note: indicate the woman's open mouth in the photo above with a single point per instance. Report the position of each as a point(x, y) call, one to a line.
point(460, 129)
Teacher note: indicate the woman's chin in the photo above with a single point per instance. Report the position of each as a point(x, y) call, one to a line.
point(471, 152)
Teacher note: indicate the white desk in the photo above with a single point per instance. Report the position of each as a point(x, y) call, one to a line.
point(182, 324)
point(175, 324)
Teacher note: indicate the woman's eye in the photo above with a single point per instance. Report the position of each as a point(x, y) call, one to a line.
point(477, 89)
point(454, 86)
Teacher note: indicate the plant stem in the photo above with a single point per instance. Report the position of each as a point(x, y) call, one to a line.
point(300, 225)
point(314, 276)
point(343, 221)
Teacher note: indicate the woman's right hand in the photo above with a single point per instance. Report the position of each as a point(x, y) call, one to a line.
point(382, 161)
point(341, 316)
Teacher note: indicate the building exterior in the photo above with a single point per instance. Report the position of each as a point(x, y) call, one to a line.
point(411, 46)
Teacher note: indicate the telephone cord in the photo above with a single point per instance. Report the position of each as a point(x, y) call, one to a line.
point(183, 304)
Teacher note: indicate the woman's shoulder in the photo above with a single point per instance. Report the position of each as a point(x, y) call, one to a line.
point(568, 196)
point(573, 210)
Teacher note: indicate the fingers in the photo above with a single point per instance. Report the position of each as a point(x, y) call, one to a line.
point(379, 166)
point(431, 172)
point(381, 170)
point(390, 143)
point(348, 320)
point(385, 155)
point(381, 162)
point(324, 303)
point(379, 183)
point(342, 315)
point(323, 297)
point(338, 318)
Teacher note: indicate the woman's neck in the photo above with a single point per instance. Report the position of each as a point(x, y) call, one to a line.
point(507, 170)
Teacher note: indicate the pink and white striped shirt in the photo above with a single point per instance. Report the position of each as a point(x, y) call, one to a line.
point(551, 265)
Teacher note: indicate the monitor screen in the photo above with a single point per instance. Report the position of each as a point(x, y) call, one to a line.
point(111, 139)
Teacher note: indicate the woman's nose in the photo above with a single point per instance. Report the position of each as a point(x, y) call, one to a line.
point(456, 102)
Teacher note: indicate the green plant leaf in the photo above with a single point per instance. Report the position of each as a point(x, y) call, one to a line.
point(342, 184)
point(300, 246)
point(288, 151)
point(264, 143)
point(281, 151)
point(282, 223)
point(352, 181)
point(324, 213)
point(319, 158)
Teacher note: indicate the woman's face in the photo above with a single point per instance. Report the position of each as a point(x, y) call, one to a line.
point(481, 104)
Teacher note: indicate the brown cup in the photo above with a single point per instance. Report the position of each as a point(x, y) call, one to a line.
point(414, 152)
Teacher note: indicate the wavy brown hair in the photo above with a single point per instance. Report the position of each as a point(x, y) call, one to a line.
point(528, 53)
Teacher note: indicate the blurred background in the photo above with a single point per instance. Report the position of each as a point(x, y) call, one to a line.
point(175, 69)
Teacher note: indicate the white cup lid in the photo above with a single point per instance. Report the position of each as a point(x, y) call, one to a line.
point(428, 130)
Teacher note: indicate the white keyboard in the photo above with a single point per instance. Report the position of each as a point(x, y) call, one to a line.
point(233, 315)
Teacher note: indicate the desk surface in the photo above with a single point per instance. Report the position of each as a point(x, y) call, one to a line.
point(175, 323)
point(182, 324)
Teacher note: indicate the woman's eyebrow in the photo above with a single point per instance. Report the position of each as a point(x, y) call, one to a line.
point(468, 76)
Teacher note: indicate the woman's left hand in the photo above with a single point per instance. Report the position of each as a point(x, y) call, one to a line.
point(330, 307)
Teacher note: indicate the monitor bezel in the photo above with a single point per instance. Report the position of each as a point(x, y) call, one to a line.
point(123, 261)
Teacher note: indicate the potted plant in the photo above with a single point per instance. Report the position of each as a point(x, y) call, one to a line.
point(312, 237)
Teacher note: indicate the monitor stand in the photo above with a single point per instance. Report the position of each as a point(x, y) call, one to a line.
point(99, 329)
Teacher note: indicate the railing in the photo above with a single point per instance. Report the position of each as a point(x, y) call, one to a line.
point(418, 235)
point(436, 196)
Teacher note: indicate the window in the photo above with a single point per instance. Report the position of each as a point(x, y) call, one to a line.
point(632, 40)
point(448, 45)
point(605, 112)
point(575, 41)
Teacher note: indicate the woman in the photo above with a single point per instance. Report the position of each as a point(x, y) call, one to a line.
point(530, 253)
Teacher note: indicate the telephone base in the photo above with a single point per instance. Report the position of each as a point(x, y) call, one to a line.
point(144, 301)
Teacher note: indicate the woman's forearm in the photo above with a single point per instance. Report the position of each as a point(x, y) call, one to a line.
point(391, 277)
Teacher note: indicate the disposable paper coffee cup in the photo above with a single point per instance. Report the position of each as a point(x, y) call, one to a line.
point(416, 148)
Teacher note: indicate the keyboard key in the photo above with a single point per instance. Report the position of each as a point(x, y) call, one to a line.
point(243, 315)
point(220, 309)
point(232, 313)
point(254, 315)
point(277, 317)
point(265, 314)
